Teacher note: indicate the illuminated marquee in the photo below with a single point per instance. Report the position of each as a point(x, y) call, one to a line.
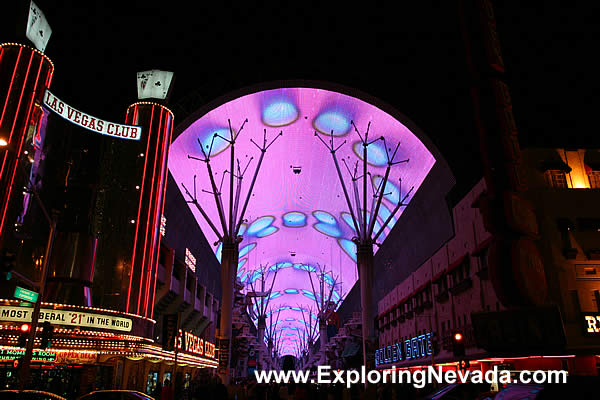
point(193, 344)
point(413, 348)
point(91, 123)
point(67, 317)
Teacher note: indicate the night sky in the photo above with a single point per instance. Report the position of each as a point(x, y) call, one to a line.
point(410, 55)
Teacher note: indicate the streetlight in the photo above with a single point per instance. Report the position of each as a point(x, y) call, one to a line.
point(26, 360)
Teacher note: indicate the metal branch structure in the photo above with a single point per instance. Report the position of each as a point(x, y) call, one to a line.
point(271, 331)
point(230, 221)
point(323, 300)
point(364, 222)
point(260, 298)
point(309, 333)
point(310, 328)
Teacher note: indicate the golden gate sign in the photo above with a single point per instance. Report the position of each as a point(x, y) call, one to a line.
point(592, 323)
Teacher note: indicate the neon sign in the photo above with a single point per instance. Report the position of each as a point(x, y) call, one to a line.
point(592, 323)
point(190, 343)
point(67, 317)
point(91, 123)
point(413, 348)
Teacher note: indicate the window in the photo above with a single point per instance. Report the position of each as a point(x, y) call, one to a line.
point(556, 179)
point(461, 272)
point(442, 284)
point(594, 179)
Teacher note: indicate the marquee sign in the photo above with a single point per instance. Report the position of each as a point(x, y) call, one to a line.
point(193, 344)
point(88, 122)
point(416, 347)
point(67, 317)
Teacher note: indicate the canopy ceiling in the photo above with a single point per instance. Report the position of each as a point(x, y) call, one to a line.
point(297, 217)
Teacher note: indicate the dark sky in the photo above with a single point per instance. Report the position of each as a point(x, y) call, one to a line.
point(409, 55)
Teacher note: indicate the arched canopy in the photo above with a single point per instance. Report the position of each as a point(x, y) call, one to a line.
point(297, 216)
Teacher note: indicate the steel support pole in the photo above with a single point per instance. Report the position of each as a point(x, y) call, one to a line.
point(26, 361)
point(229, 255)
point(364, 261)
point(261, 330)
point(322, 333)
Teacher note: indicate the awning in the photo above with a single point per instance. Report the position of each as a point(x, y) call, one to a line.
point(350, 349)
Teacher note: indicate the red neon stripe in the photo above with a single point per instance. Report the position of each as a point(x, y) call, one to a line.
point(144, 269)
point(135, 116)
point(136, 227)
point(141, 198)
point(168, 132)
point(160, 200)
point(137, 222)
point(28, 113)
point(21, 140)
point(12, 128)
point(149, 221)
point(153, 215)
point(12, 79)
point(156, 237)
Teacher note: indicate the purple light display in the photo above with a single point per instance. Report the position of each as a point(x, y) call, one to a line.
point(297, 217)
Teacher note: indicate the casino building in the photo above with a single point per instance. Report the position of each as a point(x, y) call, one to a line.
point(88, 200)
point(456, 291)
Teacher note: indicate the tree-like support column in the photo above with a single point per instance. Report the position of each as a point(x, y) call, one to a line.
point(229, 258)
point(364, 261)
point(230, 223)
point(364, 223)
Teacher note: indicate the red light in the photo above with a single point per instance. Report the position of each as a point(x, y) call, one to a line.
point(25, 328)
point(458, 336)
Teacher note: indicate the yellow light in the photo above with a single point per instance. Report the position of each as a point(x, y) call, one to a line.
point(3, 142)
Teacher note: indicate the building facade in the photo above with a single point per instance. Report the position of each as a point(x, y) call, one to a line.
point(123, 254)
point(454, 292)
